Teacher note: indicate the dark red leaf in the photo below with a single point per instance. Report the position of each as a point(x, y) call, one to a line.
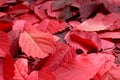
point(6, 23)
point(1, 69)
point(87, 9)
point(18, 9)
point(8, 68)
point(112, 5)
point(66, 13)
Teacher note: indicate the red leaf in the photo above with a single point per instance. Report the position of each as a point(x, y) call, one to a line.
point(2, 2)
point(36, 44)
point(115, 26)
point(112, 74)
point(32, 18)
point(83, 67)
point(14, 37)
point(21, 69)
point(99, 22)
point(86, 41)
point(14, 34)
point(2, 14)
point(5, 23)
point(52, 26)
point(74, 23)
point(105, 68)
point(4, 44)
point(40, 9)
point(93, 24)
point(107, 44)
point(54, 14)
point(8, 68)
point(19, 25)
point(1, 69)
point(46, 74)
point(113, 35)
point(18, 9)
point(33, 75)
point(61, 56)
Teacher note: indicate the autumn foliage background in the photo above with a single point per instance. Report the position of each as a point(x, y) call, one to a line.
point(59, 39)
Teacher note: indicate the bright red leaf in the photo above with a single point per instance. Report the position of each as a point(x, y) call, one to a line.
point(8, 68)
point(6, 23)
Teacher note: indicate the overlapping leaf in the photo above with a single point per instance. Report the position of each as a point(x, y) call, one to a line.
point(86, 41)
point(21, 69)
point(8, 68)
point(52, 26)
point(4, 44)
point(36, 44)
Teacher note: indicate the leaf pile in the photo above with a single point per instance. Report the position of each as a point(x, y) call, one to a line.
point(59, 40)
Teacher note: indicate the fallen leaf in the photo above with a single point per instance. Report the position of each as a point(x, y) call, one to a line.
point(18, 9)
point(36, 44)
point(4, 44)
point(61, 56)
point(81, 40)
point(113, 35)
point(52, 26)
point(21, 69)
point(8, 68)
